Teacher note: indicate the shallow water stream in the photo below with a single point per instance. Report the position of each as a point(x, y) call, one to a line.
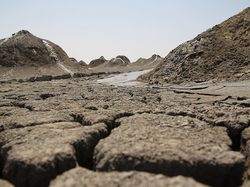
point(124, 79)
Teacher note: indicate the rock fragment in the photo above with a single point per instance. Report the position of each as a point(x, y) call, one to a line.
point(4, 183)
point(245, 149)
point(83, 177)
point(171, 145)
point(32, 156)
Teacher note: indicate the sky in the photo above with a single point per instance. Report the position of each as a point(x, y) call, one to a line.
point(88, 29)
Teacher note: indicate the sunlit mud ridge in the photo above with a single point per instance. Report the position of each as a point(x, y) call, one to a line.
point(55, 57)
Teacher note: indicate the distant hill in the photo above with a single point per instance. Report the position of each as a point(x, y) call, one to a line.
point(73, 59)
point(120, 60)
point(220, 53)
point(122, 63)
point(81, 62)
point(25, 55)
point(151, 62)
point(97, 62)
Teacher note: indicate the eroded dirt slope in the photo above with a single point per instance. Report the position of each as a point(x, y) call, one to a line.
point(24, 55)
point(220, 53)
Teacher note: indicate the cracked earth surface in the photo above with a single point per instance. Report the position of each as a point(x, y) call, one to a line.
point(78, 132)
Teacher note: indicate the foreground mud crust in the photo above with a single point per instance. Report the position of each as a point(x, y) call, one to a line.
point(78, 132)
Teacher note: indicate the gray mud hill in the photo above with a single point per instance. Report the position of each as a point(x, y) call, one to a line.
point(149, 63)
point(73, 59)
point(120, 60)
point(220, 53)
point(97, 62)
point(119, 64)
point(24, 55)
point(81, 62)
point(122, 64)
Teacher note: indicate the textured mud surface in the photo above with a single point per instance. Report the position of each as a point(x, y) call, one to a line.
point(83, 177)
point(220, 53)
point(56, 132)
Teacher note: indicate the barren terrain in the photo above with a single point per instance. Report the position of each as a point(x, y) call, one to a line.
point(198, 131)
point(219, 53)
point(187, 124)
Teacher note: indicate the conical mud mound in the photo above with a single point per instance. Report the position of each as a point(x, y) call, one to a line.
point(25, 55)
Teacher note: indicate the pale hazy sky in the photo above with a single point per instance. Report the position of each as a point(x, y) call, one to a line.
point(88, 29)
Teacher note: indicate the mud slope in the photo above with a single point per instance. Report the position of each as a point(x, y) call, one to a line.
point(218, 53)
point(25, 55)
point(122, 64)
point(151, 62)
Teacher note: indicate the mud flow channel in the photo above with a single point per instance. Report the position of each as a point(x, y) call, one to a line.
point(124, 79)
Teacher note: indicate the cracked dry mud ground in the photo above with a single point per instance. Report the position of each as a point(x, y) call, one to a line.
point(77, 132)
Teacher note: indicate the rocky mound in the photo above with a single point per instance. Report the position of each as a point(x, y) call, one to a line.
point(24, 54)
point(118, 61)
point(122, 64)
point(73, 59)
point(220, 53)
point(153, 61)
point(21, 49)
point(124, 58)
point(97, 62)
point(81, 62)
